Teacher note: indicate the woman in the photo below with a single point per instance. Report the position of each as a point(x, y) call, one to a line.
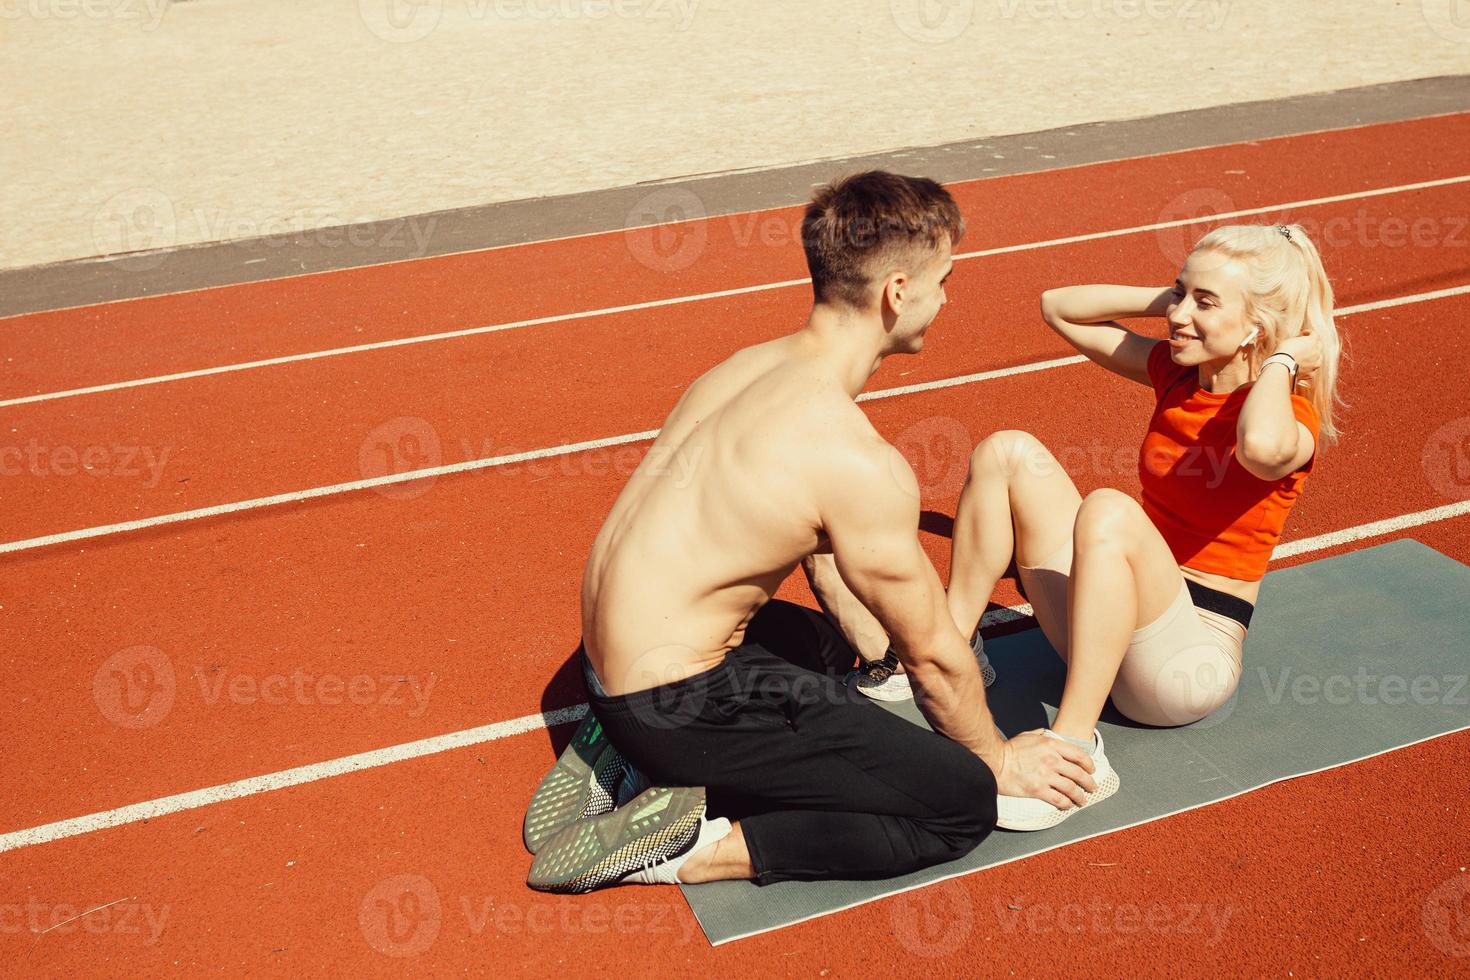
point(1149, 602)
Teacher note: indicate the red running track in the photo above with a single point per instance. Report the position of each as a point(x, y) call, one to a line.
point(431, 583)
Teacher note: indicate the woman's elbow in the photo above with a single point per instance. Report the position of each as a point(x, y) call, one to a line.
point(1266, 458)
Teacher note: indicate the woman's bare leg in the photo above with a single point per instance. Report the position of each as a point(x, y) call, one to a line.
point(1018, 502)
point(1123, 577)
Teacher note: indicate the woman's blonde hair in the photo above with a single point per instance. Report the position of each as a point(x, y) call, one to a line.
point(1289, 295)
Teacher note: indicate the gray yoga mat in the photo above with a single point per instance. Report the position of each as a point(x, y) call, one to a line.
point(1348, 657)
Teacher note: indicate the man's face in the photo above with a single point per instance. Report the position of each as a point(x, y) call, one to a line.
point(918, 298)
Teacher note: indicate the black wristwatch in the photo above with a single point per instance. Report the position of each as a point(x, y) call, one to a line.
point(879, 671)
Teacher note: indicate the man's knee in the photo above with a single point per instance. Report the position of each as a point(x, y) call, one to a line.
point(966, 811)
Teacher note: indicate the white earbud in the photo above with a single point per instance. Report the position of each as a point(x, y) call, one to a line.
point(1250, 338)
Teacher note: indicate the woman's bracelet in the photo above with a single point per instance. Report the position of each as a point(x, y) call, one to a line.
point(1286, 361)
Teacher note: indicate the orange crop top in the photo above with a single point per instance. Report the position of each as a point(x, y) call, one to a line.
point(1215, 514)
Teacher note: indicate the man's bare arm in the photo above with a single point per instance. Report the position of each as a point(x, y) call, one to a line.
point(875, 544)
point(858, 625)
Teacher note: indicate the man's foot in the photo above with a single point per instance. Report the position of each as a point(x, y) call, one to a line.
point(1025, 813)
point(879, 680)
point(644, 842)
point(585, 782)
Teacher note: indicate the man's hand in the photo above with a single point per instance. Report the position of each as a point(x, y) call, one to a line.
point(1044, 768)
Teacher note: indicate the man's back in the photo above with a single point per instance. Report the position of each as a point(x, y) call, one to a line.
point(718, 514)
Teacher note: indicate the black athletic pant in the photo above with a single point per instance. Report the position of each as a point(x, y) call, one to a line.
point(825, 783)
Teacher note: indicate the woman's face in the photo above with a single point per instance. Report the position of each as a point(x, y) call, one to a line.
point(1207, 316)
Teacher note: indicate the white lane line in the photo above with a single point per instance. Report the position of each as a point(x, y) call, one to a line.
point(287, 777)
point(1223, 216)
point(966, 379)
point(494, 461)
point(529, 723)
point(295, 496)
point(1374, 530)
point(700, 297)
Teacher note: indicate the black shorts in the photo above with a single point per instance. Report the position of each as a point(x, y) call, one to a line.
point(825, 783)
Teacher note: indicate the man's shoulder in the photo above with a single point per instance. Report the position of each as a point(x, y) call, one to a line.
point(847, 456)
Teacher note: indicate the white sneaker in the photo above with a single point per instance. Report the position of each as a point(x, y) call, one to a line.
point(877, 680)
point(1025, 813)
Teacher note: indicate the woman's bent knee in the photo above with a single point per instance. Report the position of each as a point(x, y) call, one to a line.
point(1107, 517)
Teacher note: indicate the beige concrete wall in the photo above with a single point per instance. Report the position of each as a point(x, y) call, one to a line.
point(135, 123)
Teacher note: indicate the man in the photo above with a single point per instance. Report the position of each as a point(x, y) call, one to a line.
point(765, 766)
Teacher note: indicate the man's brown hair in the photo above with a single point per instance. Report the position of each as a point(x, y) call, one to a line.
point(858, 228)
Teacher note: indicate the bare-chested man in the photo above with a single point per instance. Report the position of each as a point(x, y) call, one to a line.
point(763, 764)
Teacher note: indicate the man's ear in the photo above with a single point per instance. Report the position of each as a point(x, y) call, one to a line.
point(895, 290)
